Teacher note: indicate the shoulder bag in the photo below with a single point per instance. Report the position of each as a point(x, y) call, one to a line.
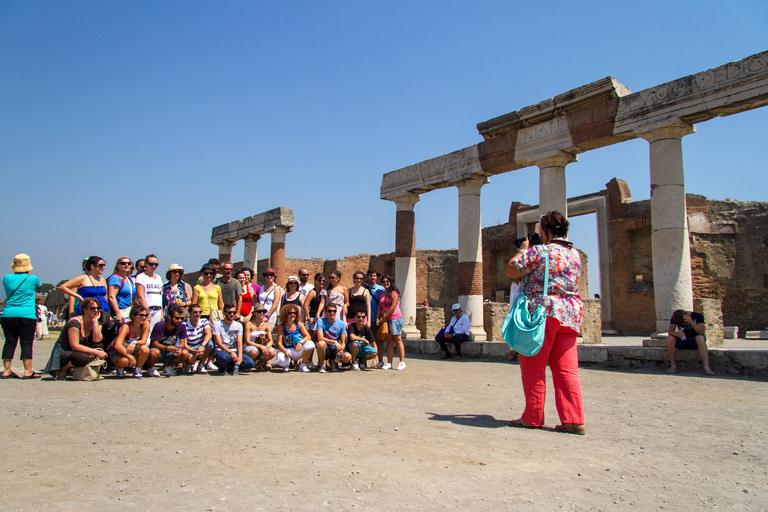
point(523, 332)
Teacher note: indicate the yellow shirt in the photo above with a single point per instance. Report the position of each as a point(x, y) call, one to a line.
point(208, 299)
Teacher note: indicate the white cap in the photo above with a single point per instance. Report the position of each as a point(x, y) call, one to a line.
point(456, 306)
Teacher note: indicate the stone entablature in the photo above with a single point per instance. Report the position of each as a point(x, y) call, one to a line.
point(257, 224)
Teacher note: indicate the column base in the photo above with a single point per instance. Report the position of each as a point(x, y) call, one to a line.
point(410, 332)
point(477, 334)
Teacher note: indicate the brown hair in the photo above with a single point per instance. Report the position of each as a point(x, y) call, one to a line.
point(287, 309)
point(554, 222)
point(677, 316)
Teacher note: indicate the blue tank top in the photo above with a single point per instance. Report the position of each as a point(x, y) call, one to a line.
point(294, 337)
point(97, 292)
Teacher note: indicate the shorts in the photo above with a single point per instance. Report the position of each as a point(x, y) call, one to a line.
point(395, 327)
point(688, 344)
point(252, 351)
point(362, 351)
point(167, 357)
point(312, 324)
point(195, 347)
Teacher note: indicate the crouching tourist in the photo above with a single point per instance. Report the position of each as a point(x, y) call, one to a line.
point(228, 335)
point(130, 349)
point(257, 340)
point(79, 345)
point(293, 340)
point(168, 339)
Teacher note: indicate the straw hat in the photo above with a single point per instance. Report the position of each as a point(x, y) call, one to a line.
point(173, 266)
point(21, 264)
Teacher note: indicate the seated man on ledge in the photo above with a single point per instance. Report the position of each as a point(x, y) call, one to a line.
point(457, 332)
point(686, 332)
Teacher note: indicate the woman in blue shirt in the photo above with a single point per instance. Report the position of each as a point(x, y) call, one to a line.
point(19, 316)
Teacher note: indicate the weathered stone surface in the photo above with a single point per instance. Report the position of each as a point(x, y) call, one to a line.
point(756, 335)
point(591, 324)
point(495, 349)
point(655, 342)
point(592, 354)
point(713, 319)
point(730, 332)
point(257, 224)
point(494, 314)
point(627, 352)
point(429, 321)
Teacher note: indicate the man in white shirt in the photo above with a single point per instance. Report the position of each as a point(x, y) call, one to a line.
point(149, 290)
point(228, 336)
point(304, 288)
point(457, 332)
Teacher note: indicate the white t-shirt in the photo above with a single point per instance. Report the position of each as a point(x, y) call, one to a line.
point(305, 289)
point(228, 333)
point(153, 289)
point(196, 333)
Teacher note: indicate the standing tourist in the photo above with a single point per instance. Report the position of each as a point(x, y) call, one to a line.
point(249, 273)
point(208, 296)
point(149, 290)
point(359, 299)
point(389, 311)
point(564, 313)
point(374, 290)
point(41, 327)
point(141, 266)
point(337, 294)
point(292, 293)
point(304, 287)
point(121, 290)
point(176, 291)
point(247, 299)
point(89, 284)
point(19, 316)
point(270, 296)
point(313, 306)
point(231, 289)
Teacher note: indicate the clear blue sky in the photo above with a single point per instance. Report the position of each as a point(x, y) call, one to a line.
point(135, 127)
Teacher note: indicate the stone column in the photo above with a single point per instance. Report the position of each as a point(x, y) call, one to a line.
point(225, 250)
point(672, 283)
point(405, 262)
point(277, 256)
point(251, 253)
point(552, 195)
point(471, 255)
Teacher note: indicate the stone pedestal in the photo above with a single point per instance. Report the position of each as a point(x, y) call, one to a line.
point(429, 321)
point(494, 314)
point(471, 255)
point(405, 262)
point(672, 282)
point(591, 328)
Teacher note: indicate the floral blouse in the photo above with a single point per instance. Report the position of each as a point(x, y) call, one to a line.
point(562, 302)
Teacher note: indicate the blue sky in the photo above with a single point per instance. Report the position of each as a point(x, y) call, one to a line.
point(135, 127)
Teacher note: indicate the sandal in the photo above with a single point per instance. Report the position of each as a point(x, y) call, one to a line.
point(519, 423)
point(672, 370)
point(32, 376)
point(11, 375)
point(571, 428)
point(709, 372)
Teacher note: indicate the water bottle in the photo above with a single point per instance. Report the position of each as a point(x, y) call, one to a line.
point(236, 371)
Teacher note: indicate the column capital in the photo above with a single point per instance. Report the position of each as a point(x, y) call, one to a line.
point(227, 245)
point(407, 201)
point(672, 128)
point(556, 159)
point(252, 237)
point(472, 185)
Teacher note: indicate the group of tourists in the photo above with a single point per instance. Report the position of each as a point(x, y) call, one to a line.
point(132, 322)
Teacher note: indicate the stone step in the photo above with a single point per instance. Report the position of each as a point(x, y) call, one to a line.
point(756, 335)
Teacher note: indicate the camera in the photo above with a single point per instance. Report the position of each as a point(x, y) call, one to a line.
point(533, 239)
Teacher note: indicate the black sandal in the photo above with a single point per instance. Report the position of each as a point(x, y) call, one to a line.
point(11, 375)
point(33, 376)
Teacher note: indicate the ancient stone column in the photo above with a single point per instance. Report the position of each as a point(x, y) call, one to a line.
point(672, 283)
point(405, 262)
point(277, 256)
point(225, 250)
point(471, 255)
point(251, 253)
point(552, 195)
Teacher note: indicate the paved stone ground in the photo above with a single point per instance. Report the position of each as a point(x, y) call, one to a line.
point(433, 437)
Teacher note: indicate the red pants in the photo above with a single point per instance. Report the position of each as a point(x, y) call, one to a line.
point(559, 350)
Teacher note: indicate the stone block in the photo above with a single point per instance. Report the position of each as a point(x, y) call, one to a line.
point(429, 347)
point(471, 349)
point(429, 321)
point(496, 349)
point(656, 354)
point(627, 352)
point(412, 345)
point(713, 318)
point(592, 354)
point(494, 314)
point(756, 335)
point(731, 332)
point(755, 360)
point(654, 342)
point(591, 324)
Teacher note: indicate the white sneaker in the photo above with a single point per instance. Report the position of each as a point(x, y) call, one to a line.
point(380, 364)
point(194, 367)
point(120, 373)
point(169, 371)
point(201, 369)
point(356, 366)
point(401, 366)
point(287, 369)
point(137, 373)
point(303, 368)
point(322, 369)
point(387, 366)
point(189, 369)
point(211, 367)
point(152, 372)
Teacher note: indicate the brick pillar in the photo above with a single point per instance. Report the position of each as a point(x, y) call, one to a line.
point(672, 282)
point(225, 250)
point(471, 256)
point(277, 256)
point(251, 252)
point(405, 262)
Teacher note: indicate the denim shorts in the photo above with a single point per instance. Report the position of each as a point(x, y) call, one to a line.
point(396, 327)
point(166, 357)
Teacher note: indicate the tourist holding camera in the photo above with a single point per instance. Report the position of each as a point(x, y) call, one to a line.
point(564, 313)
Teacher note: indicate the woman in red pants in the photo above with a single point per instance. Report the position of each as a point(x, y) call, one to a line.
point(564, 312)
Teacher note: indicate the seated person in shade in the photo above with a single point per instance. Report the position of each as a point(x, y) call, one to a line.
point(456, 332)
point(686, 332)
point(361, 345)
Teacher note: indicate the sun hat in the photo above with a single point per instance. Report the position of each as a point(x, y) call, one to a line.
point(171, 267)
point(456, 306)
point(270, 271)
point(21, 264)
point(292, 278)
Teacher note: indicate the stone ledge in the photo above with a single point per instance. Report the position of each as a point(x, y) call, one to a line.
point(756, 335)
point(722, 361)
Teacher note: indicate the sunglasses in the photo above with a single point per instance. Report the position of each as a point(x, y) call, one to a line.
point(101, 265)
point(262, 311)
point(178, 318)
point(268, 275)
point(95, 308)
point(291, 313)
point(142, 315)
point(304, 275)
point(330, 311)
point(208, 273)
point(124, 263)
point(152, 264)
point(229, 312)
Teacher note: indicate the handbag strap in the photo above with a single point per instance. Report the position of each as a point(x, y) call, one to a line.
point(546, 273)
point(14, 291)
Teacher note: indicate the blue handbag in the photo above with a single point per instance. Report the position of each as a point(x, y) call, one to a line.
point(523, 332)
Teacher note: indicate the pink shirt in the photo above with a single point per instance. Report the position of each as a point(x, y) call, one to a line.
point(385, 303)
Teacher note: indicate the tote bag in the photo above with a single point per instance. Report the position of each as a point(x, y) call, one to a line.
point(523, 332)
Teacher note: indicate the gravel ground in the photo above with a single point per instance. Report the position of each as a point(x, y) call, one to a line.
point(432, 437)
